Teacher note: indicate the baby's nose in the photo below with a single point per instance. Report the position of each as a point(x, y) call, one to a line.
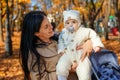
point(71, 25)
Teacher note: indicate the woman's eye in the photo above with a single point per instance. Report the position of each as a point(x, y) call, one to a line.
point(46, 26)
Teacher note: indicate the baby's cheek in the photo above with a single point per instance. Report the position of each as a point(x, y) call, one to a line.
point(76, 28)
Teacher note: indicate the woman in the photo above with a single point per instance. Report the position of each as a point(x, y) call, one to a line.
point(38, 48)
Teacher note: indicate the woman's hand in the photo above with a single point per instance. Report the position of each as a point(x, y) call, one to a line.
point(87, 49)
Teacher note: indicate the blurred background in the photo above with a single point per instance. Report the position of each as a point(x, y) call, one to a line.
point(103, 16)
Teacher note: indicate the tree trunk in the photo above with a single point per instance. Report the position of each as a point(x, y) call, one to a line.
point(11, 18)
point(117, 12)
point(106, 19)
point(8, 41)
point(1, 26)
point(94, 12)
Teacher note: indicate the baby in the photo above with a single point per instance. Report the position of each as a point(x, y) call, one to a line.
point(72, 35)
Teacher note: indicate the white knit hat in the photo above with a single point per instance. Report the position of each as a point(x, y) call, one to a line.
point(71, 14)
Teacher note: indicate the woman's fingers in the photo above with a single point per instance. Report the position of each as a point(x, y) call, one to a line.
point(85, 53)
point(89, 52)
point(79, 47)
point(87, 49)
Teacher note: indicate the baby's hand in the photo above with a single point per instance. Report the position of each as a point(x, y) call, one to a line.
point(61, 53)
point(97, 49)
point(74, 66)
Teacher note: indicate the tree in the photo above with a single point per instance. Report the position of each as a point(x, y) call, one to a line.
point(117, 11)
point(93, 12)
point(8, 41)
point(1, 26)
point(107, 13)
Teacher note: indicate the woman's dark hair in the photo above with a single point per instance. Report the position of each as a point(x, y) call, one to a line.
point(31, 24)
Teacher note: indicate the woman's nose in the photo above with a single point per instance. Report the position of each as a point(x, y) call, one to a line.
point(51, 27)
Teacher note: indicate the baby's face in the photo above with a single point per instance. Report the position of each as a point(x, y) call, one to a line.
point(72, 23)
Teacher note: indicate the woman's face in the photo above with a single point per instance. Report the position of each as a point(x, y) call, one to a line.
point(72, 23)
point(46, 30)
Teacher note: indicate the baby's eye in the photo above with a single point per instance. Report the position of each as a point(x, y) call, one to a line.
point(74, 22)
point(67, 22)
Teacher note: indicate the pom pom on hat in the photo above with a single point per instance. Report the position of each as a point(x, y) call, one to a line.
point(71, 14)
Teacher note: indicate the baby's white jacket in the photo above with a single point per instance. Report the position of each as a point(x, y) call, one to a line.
point(69, 41)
